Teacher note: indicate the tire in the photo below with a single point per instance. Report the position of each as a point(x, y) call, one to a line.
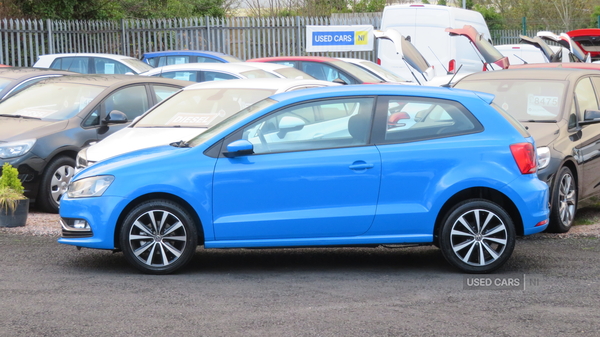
point(477, 236)
point(158, 237)
point(54, 183)
point(564, 202)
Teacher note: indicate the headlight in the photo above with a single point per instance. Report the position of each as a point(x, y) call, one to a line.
point(16, 149)
point(543, 154)
point(81, 160)
point(89, 187)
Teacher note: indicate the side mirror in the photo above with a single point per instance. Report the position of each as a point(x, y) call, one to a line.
point(590, 117)
point(240, 147)
point(340, 81)
point(115, 117)
point(288, 124)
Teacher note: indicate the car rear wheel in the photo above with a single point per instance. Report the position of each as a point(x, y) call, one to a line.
point(477, 236)
point(564, 202)
point(54, 183)
point(158, 237)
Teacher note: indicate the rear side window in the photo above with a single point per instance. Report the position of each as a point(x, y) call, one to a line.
point(517, 125)
point(412, 119)
point(75, 64)
point(180, 75)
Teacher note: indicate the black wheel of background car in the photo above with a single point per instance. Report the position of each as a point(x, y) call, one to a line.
point(564, 202)
point(54, 183)
point(477, 236)
point(158, 237)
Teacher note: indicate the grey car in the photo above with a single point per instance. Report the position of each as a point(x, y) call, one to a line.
point(43, 127)
point(561, 109)
point(15, 79)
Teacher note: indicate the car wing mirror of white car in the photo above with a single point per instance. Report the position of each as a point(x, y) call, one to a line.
point(237, 148)
point(115, 117)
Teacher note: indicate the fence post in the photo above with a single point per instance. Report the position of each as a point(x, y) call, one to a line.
point(524, 25)
point(598, 21)
point(299, 52)
point(208, 41)
point(50, 40)
point(123, 37)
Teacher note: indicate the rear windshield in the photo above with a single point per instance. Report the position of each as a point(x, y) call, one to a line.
point(526, 100)
point(357, 72)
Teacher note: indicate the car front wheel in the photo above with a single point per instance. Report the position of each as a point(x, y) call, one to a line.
point(54, 183)
point(564, 202)
point(158, 237)
point(477, 236)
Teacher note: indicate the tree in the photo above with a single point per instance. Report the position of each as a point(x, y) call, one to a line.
point(492, 18)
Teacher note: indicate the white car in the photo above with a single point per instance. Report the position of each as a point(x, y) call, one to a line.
point(188, 113)
point(92, 63)
point(376, 69)
point(281, 71)
point(205, 72)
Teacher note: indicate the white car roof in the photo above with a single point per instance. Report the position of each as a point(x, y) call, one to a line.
point(233, 67)
point(110, 56)
point(279, 84)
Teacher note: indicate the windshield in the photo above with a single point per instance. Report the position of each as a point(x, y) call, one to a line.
point(137, 65)
point(356, 71)
point(203, 137)
point(201, 108)
point(524, 99)
point(51, 101)
point(257, 73)
point(381, 71)
point(291, 72)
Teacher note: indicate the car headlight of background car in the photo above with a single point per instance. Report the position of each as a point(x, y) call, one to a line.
point(89, 187)
point(81, 161)
point(543, 154)
point(16, 149)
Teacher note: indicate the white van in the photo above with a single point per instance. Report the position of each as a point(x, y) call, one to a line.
point(425, 26)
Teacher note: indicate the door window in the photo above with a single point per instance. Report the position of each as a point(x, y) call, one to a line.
point(108, 66)
point(132, 101)
point(585, 96)
point(75, 64)
point(322, 71)
point(314, 125)
point(217, 76)
point(180, 75)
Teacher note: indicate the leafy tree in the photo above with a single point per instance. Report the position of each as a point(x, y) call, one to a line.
point(442, 3)
point(492, 18)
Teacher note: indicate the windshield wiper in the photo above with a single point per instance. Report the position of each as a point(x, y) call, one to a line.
point(18, 116)
point(181, 143)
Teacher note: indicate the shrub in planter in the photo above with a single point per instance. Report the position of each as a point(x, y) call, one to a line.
point(13, 204)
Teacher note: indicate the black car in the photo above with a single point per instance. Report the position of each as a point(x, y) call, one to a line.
point(43, 127)
point(561, 109)
point(15, 79)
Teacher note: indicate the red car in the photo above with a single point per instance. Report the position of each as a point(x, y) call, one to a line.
point(325, 68)
point(588, 40)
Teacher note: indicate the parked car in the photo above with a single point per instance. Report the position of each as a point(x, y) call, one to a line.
point(375, 69)
point(325, 68)
point(281, 71)
point(524, 53)
point(188, 113)
point(206, 72)
point(43, 127)
point(15, 79)
point(320, 167)
point(169, 57)
point(588, 40)
point(90, 63)
point(560, 109)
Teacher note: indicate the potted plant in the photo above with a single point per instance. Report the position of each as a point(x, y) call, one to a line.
point(13, 204)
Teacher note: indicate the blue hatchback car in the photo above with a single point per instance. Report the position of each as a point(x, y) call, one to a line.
point(322, 167)
point(165, 58)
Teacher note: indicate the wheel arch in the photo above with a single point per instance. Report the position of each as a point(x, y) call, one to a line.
point(158, 195)
point(486, 193)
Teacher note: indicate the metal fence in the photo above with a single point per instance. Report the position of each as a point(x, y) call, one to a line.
point(22, 41)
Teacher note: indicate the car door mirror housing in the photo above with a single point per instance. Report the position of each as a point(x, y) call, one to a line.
point(237, 148)
point(340, 81)
point(591, 117)
point(288, 124)
point(116, 117)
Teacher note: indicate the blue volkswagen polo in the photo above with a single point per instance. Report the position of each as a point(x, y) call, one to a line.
point(339, 166)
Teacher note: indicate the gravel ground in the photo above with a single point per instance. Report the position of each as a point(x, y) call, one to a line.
point(44, 224)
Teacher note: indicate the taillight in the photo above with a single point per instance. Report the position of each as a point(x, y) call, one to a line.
point(524, 155)
point(451, 66)
point(378, 61)
point(484, 67)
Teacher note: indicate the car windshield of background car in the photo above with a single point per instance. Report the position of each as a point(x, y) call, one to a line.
point(291, 72)
point(356, 71)
point(51, 101)
point(526, 100)
point(138, 65)
point(201, 108)
point(4, 82)
point(208, 134)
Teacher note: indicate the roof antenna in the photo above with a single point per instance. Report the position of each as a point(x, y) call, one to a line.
point(411, 72)
point(448, 85)
point(524, 62)
point(438, 59)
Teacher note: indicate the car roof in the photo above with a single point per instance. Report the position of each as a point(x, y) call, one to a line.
point(26, 72)
point(294, 58)
point(111, 56)
point(261, 83)
point(183, 52)
point(381, 89)
point(541, 73)
point(566, 65)
point(235, 67)
point(110, 80)
point(267, 66)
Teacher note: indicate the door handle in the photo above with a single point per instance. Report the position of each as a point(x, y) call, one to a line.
point(361, 165)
